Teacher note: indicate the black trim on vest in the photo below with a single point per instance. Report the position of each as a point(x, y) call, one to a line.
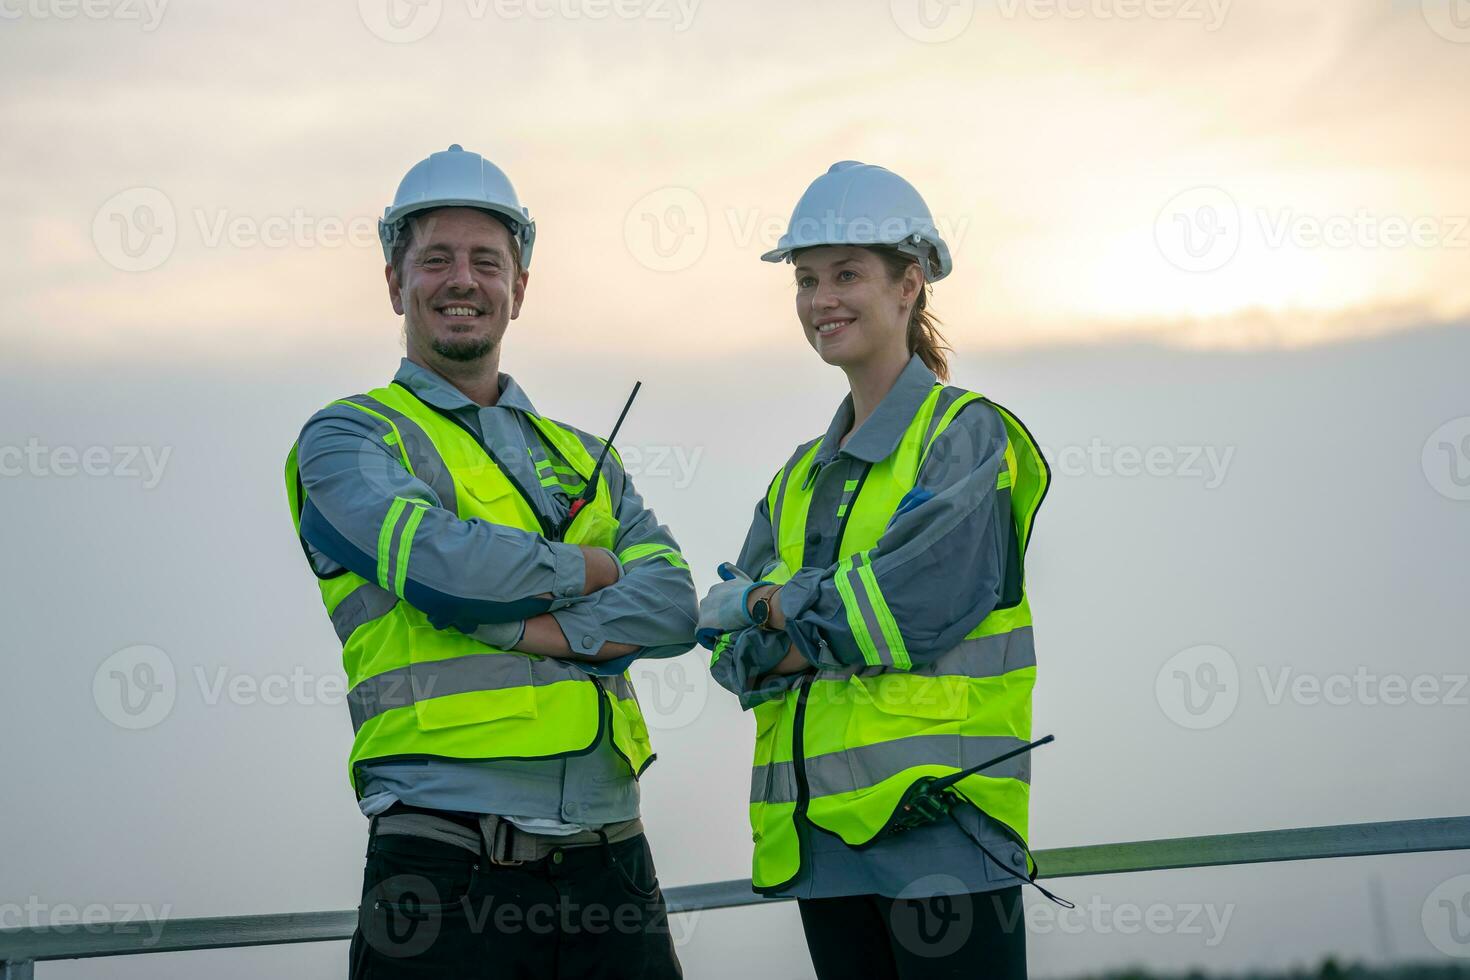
point(798, 724)
point(614, 742)
point(1013, 576)
point(1039, 455)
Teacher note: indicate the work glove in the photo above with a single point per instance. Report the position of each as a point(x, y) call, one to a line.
point(725, 607)
point(501, 636)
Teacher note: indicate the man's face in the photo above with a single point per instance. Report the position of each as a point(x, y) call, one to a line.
point(459, 288)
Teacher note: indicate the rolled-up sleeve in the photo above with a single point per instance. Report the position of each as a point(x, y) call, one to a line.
point(935, 573)
point(365, 511)
point(652, 605)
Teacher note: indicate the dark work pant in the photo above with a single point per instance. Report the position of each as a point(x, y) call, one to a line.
point(979, 937)
point(431, 909)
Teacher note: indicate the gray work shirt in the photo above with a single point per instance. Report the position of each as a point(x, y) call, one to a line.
point(478, 572)
point(940, 565)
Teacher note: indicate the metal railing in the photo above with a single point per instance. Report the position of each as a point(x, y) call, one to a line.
point(21, 948)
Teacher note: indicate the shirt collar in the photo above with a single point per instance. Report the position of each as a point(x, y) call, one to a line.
point(877, 437)
point(434, 390)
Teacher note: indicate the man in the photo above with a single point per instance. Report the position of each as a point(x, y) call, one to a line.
point(486, 621)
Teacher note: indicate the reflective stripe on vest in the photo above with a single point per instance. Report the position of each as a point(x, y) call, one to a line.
point(843, 746)
point(419, 691)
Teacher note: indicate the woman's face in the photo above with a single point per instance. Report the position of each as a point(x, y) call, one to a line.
point(849, 309)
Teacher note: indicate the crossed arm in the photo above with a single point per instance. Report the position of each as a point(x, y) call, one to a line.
point(937, 570)
point(365, 512)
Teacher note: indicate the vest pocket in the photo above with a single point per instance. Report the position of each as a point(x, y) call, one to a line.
point(491, 490)
point(902, 695)
point(903, 720)
point(468, 689)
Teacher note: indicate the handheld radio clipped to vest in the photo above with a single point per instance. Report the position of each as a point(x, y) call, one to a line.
point(589, 491)
point(929, 799)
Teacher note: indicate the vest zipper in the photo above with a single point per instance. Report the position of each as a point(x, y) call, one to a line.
point(798, 724)
point(798, 751)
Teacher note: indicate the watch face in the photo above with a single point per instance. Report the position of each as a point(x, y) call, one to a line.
point(761, 610)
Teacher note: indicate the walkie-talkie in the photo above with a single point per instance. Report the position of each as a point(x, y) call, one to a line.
point(590, 490)
point(929, 798)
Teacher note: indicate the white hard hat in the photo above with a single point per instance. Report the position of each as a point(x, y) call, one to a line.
point(457, 178)
point(861, 204)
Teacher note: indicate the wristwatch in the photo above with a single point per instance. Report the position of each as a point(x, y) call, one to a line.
point(760, 611)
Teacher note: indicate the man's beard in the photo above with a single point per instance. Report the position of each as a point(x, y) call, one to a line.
point(468, 349)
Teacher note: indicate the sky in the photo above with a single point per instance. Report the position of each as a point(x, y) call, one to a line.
point(1215, 256)
point(1078, 152)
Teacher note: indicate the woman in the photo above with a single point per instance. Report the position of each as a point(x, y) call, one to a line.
point(877, 622)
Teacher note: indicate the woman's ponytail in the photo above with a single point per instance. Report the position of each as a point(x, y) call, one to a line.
point(924, 337)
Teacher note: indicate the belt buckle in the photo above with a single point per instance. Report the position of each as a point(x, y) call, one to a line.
point(498, 838)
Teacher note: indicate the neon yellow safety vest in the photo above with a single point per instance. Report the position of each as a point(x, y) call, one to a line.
point(843, 746)
point(417, 691)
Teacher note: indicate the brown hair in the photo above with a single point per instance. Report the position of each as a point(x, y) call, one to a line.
point(924, 337)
